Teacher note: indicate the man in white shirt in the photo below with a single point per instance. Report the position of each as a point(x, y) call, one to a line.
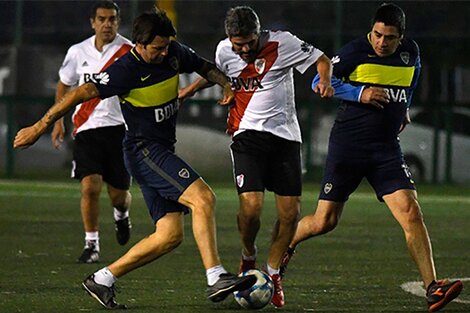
point(98, 129)
point(266, 144)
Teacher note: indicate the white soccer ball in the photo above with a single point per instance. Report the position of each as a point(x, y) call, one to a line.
point(257, 296)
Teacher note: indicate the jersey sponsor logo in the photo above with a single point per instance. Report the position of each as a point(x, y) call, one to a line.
point(167, 111)
point(259, 65)
point(183, 173)
point(396, 95)
point(405, 57)
point(240, 180)
point(144, 78)
point(335, 59)
point(327, 188)
point(247, 84)
point(101, 78)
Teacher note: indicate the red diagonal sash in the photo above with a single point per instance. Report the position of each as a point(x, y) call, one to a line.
point(82, 115)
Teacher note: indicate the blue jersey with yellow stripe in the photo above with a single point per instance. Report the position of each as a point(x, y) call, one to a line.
point(357, 66)
point(149, 92)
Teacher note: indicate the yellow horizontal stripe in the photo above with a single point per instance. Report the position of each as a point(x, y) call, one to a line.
point(154, 95)
point(383, 75)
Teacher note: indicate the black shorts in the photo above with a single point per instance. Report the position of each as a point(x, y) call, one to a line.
point(262, 161)
point(99, 151)
point(384, 168)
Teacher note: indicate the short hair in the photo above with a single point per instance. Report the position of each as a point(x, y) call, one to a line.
point(241, 21)
point(105, 4)
point(391, 15)
point(150, 24)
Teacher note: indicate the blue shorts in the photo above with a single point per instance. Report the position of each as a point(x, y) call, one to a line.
point(384, 168)
point(161, 175)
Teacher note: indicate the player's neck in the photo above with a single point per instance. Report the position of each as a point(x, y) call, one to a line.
point(100, 43)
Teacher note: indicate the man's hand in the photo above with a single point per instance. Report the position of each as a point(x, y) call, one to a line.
point(324, 89)
point(57, 135)
point(375, 96)
point(228, 95)
point(29, 135)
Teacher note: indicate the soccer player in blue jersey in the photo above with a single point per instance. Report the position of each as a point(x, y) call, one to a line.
point(146, 81)
point(375, 76)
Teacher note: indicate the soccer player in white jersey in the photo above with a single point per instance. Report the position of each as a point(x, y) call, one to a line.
point(266, 142)
point(98, 129)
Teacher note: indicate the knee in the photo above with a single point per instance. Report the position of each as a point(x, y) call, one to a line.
point(174, 240)
point(205, 202)
point(91, 191)
point(328, 223)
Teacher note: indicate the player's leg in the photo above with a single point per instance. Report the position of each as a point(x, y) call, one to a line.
point(248, 222)
point(91, 186)
point(167, 236)
point(118, 180)
point(250, 159)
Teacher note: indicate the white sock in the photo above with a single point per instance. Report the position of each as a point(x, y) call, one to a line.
point(119, 215)
point(250, 257)
point(213, 274)
point(92, 238)
point(104, 277)
point(271, 271)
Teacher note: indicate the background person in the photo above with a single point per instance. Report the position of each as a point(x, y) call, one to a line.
point(98, 129)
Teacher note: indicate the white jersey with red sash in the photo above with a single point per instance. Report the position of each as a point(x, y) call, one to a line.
point(264, 89)
point(83, 63)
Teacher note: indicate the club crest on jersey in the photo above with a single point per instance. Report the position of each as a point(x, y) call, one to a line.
point(240, 180)
point(174, 63)
point(183, 173)
point(259, 65)
point(405, 57)
point(327, 188)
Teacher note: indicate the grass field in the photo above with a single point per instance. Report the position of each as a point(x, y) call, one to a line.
point(359, 267)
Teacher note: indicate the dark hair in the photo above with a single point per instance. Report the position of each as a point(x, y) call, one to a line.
point(150, 24)
point(105, 4)
point(241, 21)
point(391, 15)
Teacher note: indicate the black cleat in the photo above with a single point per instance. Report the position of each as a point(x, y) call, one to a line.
point(89, 255)
point(442, 292)
point(285, 261)
point(104, 295)
point(123, 230)
point(227, 284)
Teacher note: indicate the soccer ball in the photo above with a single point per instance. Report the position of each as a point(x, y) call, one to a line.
point(259, 295)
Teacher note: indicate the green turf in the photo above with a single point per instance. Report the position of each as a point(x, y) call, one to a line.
point(357, 268)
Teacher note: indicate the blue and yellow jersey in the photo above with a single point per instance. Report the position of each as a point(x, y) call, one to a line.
point(357, 66)
point(149, 92)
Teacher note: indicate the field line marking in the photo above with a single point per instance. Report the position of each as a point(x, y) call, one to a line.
point(416, 288)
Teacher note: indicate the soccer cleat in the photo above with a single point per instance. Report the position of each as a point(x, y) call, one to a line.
point(285, 261)
point(123, 230)
point(89, 255)
point(228, 283)
point(442, 292)
point(105, 295)
point(278, 297)
point(246, 265)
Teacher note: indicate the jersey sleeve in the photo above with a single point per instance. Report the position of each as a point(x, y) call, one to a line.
point(414, 82)
point(298, 53)
point(190, 61)
point(115, 80)
point(68, 70)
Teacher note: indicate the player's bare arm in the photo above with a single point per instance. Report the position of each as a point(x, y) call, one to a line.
point(375, 96)
point(189, 91)
point(29, 135)
point(324, 69)
point(210, 72)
